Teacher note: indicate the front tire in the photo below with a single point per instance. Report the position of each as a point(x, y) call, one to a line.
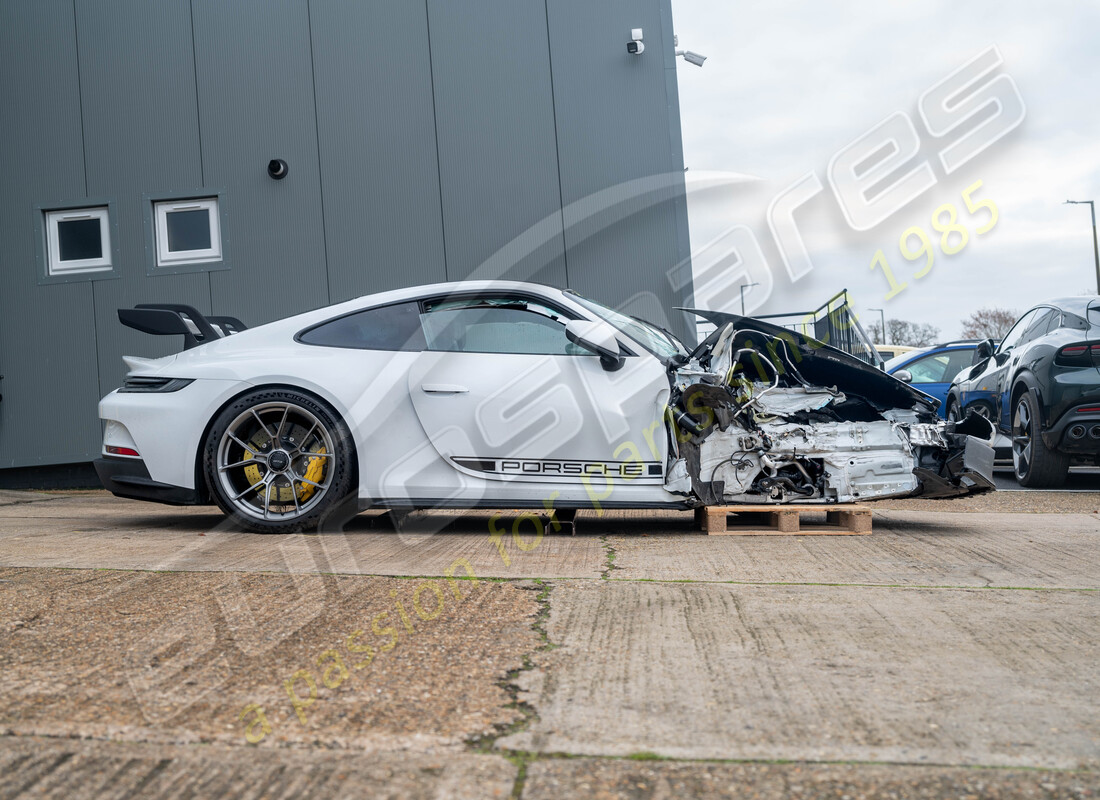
point(982, 409)
point(1034, 463)
point(279, 461)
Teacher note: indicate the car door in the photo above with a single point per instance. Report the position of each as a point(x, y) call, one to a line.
point(509, 402)
point(999, 377)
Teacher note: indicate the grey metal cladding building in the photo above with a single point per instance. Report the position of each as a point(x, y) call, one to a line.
point(421, 139)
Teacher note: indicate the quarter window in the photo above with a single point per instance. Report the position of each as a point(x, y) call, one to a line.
point(187, 232)
point(78, 240)
point(395, 327)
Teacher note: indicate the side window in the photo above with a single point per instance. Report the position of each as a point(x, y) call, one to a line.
point(1055, 321)
point(960, 359)
point(930, 369)
point(1013, 337)
point(1038, 326)
point(496, 325)
point(395, 327)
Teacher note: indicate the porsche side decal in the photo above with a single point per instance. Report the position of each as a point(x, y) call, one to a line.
point(558, 467)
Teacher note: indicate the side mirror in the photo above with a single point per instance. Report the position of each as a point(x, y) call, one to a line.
point(904, 375)
point(985, 350)
point(599, 338)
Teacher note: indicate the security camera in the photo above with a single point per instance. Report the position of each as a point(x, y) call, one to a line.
point(692, 58)
point(635, 46)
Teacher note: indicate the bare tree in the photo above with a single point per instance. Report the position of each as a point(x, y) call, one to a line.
point(989, 323)
point(914, 334)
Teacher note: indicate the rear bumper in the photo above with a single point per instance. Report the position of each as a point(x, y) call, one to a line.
point(1063, 435)
point(129, 477)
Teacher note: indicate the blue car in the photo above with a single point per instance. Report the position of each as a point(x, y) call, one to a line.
point(931, 369)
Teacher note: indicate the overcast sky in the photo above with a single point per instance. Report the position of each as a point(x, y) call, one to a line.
point(789, 83)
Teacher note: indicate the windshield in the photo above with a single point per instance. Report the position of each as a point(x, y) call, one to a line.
point(654, 339)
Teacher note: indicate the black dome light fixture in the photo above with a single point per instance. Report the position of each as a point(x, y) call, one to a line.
point(277, 168)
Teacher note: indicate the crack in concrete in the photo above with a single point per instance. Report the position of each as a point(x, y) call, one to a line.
point(609, 563)
point(609, 567)
point(487, 743)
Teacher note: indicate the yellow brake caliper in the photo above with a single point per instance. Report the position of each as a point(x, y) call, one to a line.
point(315, 470)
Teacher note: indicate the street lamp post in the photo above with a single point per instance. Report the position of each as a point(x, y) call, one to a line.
point(743, 287)
point(881, 314)
point(1095, 248)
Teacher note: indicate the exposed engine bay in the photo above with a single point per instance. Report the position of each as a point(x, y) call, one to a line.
point(761, 414)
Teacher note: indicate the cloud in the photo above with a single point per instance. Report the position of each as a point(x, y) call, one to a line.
point(789, 83)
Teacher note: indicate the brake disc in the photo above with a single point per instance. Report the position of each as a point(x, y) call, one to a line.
point(314, 472)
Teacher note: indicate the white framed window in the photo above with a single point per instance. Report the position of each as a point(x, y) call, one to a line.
point(78, 240)
point(187, 231)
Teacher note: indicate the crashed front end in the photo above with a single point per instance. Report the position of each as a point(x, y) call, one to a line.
point(761, 414)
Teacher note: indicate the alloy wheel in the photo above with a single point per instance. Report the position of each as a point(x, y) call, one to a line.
point(1022, 433)
point(275, 461)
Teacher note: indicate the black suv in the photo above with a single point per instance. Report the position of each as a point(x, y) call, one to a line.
point(1040, 385)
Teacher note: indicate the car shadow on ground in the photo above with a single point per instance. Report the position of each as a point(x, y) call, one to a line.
point(641, 523)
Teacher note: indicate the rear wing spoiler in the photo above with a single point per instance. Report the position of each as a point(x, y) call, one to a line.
point(170, 319)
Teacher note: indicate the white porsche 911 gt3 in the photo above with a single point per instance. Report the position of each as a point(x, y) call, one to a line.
point(516, 395)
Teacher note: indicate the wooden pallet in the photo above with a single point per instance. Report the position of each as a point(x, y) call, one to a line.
point(850, 520)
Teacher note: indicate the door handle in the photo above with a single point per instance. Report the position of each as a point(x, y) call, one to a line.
point(443, 388)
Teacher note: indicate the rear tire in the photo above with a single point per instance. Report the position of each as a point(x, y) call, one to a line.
point(1035, 465)
point(280, 461)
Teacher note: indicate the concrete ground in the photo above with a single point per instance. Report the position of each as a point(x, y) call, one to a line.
point(1079, 479)
point(149, 651)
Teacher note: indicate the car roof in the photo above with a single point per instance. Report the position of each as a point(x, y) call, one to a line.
point(961, 344)
point(1078, 305)
point(912, 355)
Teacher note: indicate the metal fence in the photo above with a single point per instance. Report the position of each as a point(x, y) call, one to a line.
point(836, 324)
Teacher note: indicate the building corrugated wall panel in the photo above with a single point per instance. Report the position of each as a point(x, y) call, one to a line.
point(611, 214)
point(422, 136)
point(498, 159)
point(246, 118)
point(679, 279)
point(141, 136)
point(376, 123)
point(47, 333)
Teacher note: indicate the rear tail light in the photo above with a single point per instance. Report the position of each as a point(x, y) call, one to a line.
point(145, 383)
point(1079, 354)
